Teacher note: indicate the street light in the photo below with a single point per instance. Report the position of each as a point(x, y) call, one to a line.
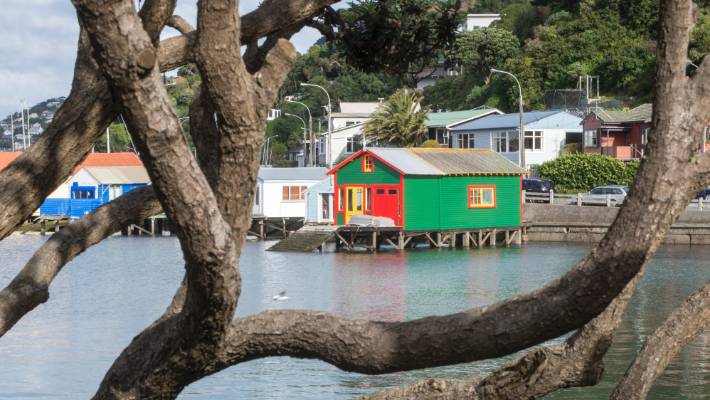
point(310, 133)
point(304, 133)
point(330, 128)
point(521, 135)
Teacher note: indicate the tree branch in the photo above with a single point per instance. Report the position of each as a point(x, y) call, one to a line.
point(155, 14)
point(679, 329)
point(180, 24)
point(30, 287)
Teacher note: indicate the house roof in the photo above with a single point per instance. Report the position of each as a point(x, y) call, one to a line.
point(642, 113)
point(292, 174)
point(359, 107)
point(6, 157)
point(504, 121)
point(445, 119)
point(440, 161)
point(118, 175)
point(126, 159)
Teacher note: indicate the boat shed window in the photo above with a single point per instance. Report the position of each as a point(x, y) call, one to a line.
point(368, 164)
point(481, 196)
point(294, 193)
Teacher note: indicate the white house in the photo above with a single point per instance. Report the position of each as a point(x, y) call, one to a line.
point(319, 202)
point(546, 133)
point(478, 21)
point(346, 137)
point(429, 76)
point(281, 192)
point(440, 123)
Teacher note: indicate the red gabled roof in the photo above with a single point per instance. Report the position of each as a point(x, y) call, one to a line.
point(6, 157)
point(125, 159)
point(356, 155)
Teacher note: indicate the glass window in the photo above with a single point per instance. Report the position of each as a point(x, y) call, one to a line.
point(481, 196)
point(368, 164)
point(341, 196)
point(533, 140)
point(392, 191)
point(380, 191)
point(500, 142)
point(513, 141)
point(368, 199)
point(590, 138)
point(598, 191)
point(293, 193)
point(350, 200)
point(358, 199)
point(465, 140)
point(354, 144)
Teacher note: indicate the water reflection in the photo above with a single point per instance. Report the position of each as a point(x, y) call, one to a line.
point(109, 294)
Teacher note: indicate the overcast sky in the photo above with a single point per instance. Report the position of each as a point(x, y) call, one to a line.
point(38, 48)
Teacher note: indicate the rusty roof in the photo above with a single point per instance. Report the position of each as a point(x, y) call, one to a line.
point(467, 161)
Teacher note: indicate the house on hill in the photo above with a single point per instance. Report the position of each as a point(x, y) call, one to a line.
point(546, 134)
point(425, 189)
point(440, 123)
point(618, 134)
point(347, 130)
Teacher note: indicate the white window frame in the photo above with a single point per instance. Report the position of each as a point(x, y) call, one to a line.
point(534, 135)
point(591, 138)
point(497, 138)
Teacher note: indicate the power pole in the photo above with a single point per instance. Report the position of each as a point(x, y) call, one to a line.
point(22, 121)
point(108, 140)
point(12, 130)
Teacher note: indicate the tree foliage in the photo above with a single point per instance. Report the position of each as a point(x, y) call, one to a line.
point(580, 172)
point(400, 121)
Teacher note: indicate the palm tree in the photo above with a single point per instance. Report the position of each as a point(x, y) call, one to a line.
point(400, 121)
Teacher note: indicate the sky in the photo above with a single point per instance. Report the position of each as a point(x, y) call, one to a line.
point(38, 48)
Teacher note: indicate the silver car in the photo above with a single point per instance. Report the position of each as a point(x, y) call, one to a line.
point(615, 194)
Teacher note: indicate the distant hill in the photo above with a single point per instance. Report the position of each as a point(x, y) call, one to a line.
point(40, 116)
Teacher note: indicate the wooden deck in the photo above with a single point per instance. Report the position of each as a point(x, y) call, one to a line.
point(373, 239)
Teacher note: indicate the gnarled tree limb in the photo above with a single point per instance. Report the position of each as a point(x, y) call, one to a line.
point(30, 287)
point(680, 328)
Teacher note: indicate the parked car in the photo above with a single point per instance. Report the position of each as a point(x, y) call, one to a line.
point(537, 185)
point(599, 195)
point(703, 194)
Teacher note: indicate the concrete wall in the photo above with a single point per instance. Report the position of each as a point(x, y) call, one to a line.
point(562, 223)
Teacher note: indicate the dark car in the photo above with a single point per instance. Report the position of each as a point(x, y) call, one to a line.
point(537, 185)
point(704, 194)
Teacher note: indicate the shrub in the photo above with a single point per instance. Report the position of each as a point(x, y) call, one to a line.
point(431, 144)
point(580, 172)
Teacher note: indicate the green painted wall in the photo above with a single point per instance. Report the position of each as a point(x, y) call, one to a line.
point(449, 196)
point(351, 173)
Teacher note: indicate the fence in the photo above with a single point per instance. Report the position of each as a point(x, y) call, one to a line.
point(584, 199)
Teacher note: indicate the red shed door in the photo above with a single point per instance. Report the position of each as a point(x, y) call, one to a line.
point(385, 203)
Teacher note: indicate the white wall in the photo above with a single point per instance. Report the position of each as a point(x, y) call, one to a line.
point(273, 205)
point(339, 122)
point(476, 21)
point(553, 140)
point(83, 178)
point(62, 192)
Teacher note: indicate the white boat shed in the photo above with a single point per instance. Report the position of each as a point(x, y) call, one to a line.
point(281, 192)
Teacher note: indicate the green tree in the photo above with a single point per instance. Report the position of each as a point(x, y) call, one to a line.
point(119, 137)
point(401, 120)
point(482, 49)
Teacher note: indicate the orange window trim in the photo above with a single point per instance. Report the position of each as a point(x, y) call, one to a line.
point(368, 164)
point(481, 187)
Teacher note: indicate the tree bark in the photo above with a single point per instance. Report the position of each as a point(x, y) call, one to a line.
point(680, 328)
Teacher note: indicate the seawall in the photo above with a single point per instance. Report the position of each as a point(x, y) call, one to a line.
point(587, 224)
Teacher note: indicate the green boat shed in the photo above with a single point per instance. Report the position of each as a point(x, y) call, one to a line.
point(430, 189)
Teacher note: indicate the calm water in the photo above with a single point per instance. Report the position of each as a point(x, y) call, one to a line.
point(106, 296)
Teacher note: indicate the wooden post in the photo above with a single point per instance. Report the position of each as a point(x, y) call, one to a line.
point(261, 230)
point(152, 226)
point(56, 226)
point(284, 230)
point(507, 238)
point(525, 199)
point(42, 227)
point(552, 196)
point(519, 240)
point(492, 240)
point(700, 204)
point(579, 199)
point(466, 240)
point(438, 240)
point(400, 241)
point(374, 241)
point(480, 239)
point(608, 200)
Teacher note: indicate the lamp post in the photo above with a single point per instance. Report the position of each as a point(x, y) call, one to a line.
point(521, 134)
point(310, 134)
point(304, 133)
point(330, 125)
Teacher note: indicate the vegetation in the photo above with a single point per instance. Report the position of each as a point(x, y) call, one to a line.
point(580, 172)
point(400, 121)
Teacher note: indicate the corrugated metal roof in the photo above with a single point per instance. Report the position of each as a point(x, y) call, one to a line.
point(642, 113)
point(444, 119)
point(404, 160)
point(504, 121)
point(292, 174)
point(467, 161)
point(433, 161)
point(118, 175)
point(121, 159)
